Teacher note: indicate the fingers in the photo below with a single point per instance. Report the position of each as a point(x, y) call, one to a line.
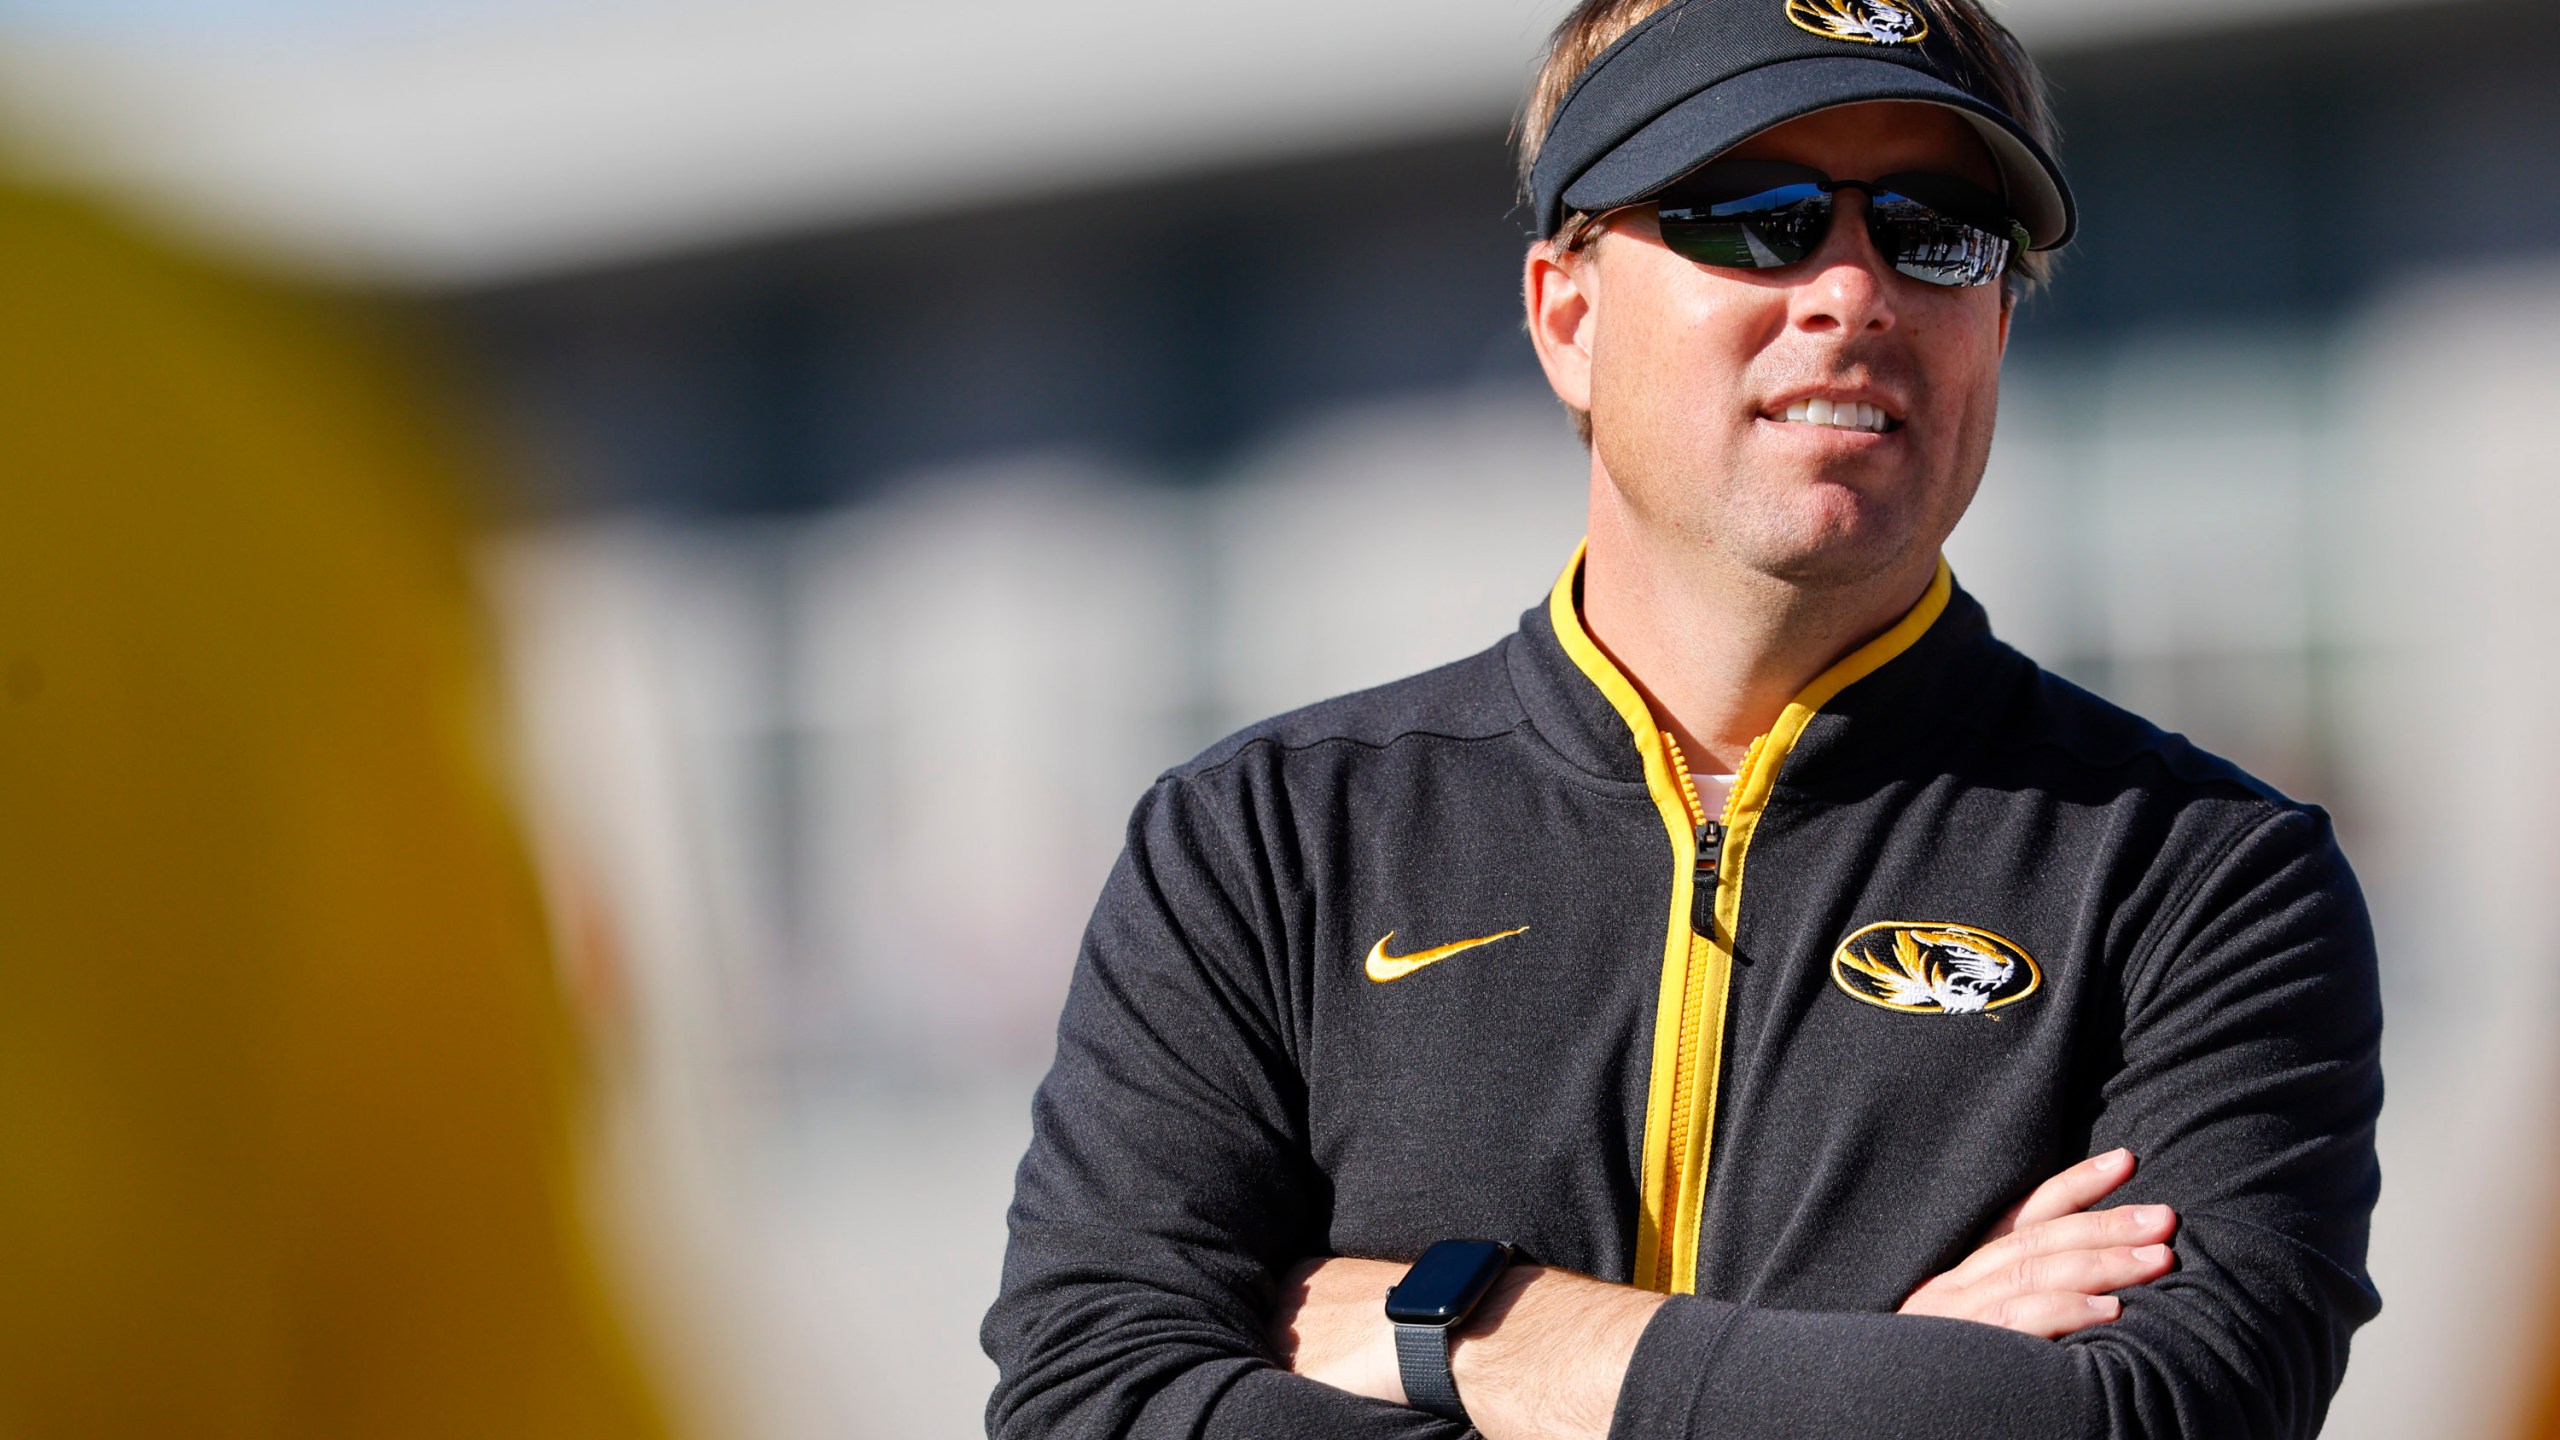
point(2052, 1278)
point(1972, 1290)
point(2054, 1315)
point(2088, 1230)
point(2091, 1229)
point(2048, 1265)
point(2085, 1272)
point(2077, 1188)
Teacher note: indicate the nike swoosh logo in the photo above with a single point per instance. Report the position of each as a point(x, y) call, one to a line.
point(1384, 967)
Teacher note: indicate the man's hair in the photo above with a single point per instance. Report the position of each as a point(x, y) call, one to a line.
point(1989, 62)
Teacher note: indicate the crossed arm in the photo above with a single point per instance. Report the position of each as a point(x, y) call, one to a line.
point(1547, 1352)
point(1170, 1192)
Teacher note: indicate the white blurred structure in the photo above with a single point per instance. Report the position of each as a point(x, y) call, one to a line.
point(986, 669)
point(2443, 576)
point(404, 141)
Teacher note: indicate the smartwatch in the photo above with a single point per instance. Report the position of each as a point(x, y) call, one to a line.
point(1435, 1297)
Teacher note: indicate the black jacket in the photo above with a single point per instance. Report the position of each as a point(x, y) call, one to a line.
point(1963, 924)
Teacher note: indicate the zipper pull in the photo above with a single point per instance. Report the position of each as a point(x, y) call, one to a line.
point(1702, 886)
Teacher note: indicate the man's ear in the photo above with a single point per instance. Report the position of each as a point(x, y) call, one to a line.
point(2008, 311)
point(1562, 292)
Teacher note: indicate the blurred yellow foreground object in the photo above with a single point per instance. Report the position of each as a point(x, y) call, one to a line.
point(286, 1141)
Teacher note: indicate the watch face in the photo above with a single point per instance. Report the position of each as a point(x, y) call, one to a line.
point(1447, 1282)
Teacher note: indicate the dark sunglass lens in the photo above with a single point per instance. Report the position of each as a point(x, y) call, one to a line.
point(1763, 231)
point(1931, 247)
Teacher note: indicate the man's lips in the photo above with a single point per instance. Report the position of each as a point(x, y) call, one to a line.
point(1857, 411)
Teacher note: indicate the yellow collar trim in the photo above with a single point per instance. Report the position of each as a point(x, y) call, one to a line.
point(1630, 704)
point(1602, 671)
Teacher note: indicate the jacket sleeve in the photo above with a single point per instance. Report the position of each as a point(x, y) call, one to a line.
point(1168, 1185)
point(2248, 1086)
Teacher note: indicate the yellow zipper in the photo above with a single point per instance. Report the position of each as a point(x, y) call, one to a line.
point(1698, 1052)
point(1697, 958)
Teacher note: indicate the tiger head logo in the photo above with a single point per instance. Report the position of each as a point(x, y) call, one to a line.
point(1869, 22)
point(1934, 969)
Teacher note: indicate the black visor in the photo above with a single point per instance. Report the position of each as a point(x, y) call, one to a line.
point(1701, 76)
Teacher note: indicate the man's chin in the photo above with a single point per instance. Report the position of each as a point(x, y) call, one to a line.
point(1840, 540)
point(1828, 571)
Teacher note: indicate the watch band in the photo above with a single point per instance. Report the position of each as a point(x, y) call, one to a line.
point(1422, 1357)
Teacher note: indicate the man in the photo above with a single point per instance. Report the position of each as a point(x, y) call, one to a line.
point(1753, 1072)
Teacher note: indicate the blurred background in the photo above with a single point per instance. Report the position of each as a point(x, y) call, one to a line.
point(888, 435)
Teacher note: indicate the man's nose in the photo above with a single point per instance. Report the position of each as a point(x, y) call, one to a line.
point(1847, 285)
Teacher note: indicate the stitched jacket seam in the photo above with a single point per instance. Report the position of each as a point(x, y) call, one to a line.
point(1197, 770)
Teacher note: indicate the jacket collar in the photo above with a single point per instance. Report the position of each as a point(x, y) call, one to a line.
point(1875, 703)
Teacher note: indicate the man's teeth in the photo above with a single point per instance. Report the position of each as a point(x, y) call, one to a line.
point(1846, 415)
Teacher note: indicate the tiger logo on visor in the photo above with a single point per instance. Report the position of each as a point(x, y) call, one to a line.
point(1868, 22)
point(1934, 969)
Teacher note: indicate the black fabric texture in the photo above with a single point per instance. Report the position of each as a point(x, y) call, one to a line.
point(1701, 76)
point(1232, 1095)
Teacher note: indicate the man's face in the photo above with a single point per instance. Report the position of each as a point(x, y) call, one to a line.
point(1689, 371)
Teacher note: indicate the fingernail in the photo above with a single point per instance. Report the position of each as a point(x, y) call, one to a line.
point(2115, 1159)
point(2105, 1304)
point(2151, 1254)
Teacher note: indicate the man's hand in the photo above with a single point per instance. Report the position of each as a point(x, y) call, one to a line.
point(1332, 1326)
point(2047, 1266)
point(1541, 1359)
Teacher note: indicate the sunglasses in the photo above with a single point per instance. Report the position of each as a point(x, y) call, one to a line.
point(1766, 214)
